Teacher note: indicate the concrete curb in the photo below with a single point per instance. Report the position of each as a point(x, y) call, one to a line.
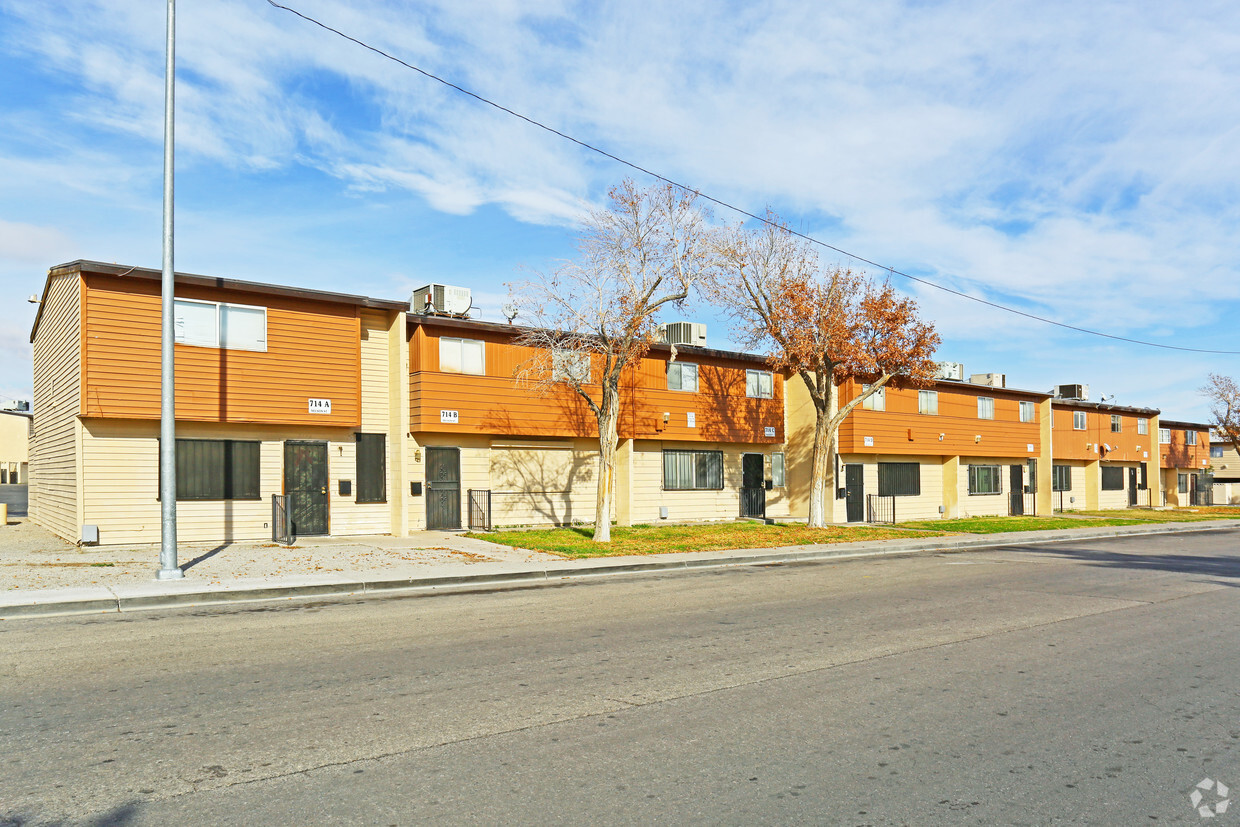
point(179, 594)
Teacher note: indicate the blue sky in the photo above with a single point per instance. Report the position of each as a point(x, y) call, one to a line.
point(1078, 161)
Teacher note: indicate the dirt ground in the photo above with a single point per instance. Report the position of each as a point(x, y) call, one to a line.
point(33, 558)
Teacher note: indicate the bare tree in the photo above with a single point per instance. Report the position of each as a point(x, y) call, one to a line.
point(1224, 396)
point(594, 317)
point(826, 326)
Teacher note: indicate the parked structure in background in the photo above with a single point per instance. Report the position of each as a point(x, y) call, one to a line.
point(343, 414)
point(15, 421)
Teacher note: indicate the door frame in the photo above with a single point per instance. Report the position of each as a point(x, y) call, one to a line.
point(457, 451)
point(860, 491)
point(757, 494)
point(327, 481)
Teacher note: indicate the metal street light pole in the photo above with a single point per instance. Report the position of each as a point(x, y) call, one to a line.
point(168, 569)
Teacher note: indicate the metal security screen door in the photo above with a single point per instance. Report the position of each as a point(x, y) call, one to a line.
point(443, 488)
point(854, 492)
point(1132, 486)
point(1016, 484)
point(753, 490)
point(305, 483)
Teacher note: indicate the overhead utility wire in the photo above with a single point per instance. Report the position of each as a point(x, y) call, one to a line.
point(737, 209)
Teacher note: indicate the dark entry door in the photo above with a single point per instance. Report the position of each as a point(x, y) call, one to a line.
point(305, 483)
point(854, 492)
point(753, 489)
point(443, 488)
point(1016, 484)
point(1132, 486)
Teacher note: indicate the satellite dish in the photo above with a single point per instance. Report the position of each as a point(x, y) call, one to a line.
point(510, 311)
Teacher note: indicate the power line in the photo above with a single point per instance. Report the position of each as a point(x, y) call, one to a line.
point(739, 210)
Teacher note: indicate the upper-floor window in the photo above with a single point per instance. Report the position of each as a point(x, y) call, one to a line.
point(1117, 423)
point(759, 384)
point(1164, 436)
point(462, 356)
point(1143, 426)
point(1190, 437)
point(1216, 451)
point(682, 377)
point(876, 401)
point(1026, 411)
point(985, 407)
point(928, 402)
point(567, 365)
point(216, 324)
point(1078, 420)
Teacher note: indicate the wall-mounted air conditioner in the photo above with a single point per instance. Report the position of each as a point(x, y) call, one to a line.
point(950, 370)
point(990, 380)
point(683, 333)
point(1072, 392)
point(441, 300)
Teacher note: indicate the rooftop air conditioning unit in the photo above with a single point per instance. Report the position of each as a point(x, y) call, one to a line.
point(992, 380)
point(1072, 392)
point(683, 333)
point(950, 370)
point(441, 300)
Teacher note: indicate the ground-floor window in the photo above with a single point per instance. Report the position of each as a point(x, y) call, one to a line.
point(1112, 479)
point(1183, 487)
point(1061, 478)
point(777, 469)
point(984, 479)
point(217, 469)
point(899, 479)
point(371, 468)
point(691, 470)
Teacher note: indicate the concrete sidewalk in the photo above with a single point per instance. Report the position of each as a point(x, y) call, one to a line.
point(428, 562)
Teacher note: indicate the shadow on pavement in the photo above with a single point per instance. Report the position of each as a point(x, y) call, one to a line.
point(1225, 565)
point(204, 556)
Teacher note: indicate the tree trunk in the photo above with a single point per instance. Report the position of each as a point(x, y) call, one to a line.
point(608, 419)
point(822, 472)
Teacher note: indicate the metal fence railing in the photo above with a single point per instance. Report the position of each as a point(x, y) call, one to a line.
point(753, 502)
point(880, 508)
point(281, 520)
point(479, 509)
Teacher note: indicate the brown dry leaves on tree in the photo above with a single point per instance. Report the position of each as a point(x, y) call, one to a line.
point(595, 317)
point(824, 325)
point(1224, 396)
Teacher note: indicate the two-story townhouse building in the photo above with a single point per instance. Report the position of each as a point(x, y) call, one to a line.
point(952, 449)
point(372, 419)
point(1184, 456)
point(278, 390)
point(700, 434)
point(1104, 455)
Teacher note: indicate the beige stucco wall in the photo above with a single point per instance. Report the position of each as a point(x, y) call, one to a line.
point(14, 446)
point(54, 442)
point(121, 479)
point(648, 494)
point(923, 507)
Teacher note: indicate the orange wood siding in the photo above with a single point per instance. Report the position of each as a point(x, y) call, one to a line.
point(313, 351)
point(1179, 454)
point(1126, 446)
point(900, 429)
point(496, 404)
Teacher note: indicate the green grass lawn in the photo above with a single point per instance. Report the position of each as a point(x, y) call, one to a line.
point(647, 539)
point(996, 525)
point(1178, 515)
point(660, 539)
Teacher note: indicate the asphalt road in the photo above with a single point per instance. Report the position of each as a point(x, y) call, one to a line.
point(1093, 683)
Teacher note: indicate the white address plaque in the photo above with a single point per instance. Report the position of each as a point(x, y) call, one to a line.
point(451, 417)
point(319, 406)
